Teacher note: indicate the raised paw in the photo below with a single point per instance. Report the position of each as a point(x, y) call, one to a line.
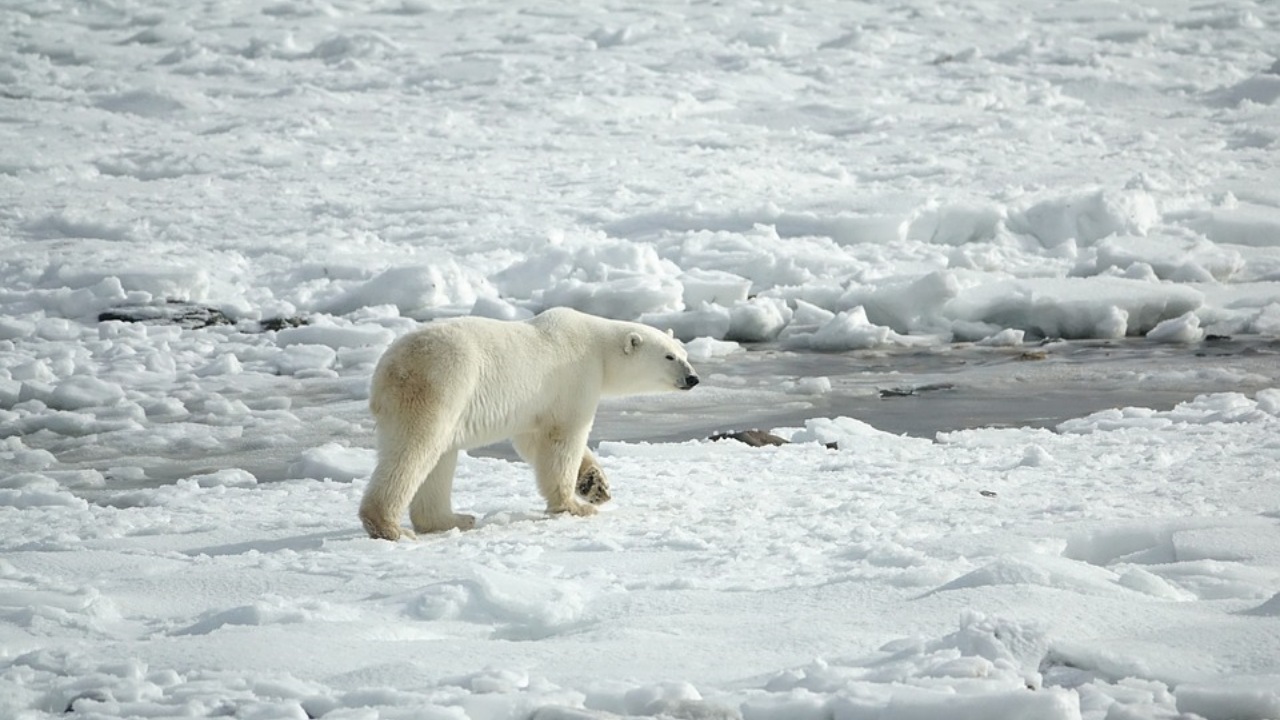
point(593, 486)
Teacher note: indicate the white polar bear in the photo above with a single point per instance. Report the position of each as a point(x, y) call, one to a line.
point(458, 384)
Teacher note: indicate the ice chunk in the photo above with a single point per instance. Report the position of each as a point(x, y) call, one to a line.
point(808, 386)
point(1073, 308)
point(414, 288)
point(84, 391)
point(13, 328)
point(27, 490)
point(335, 337)
point(850, 330)
point(759, 319)
point(706, 348)
point(1009, 337)
point(1267, 321)
point(1238, 698)
point(333, 461)
point(1241, 223)
point(713, 286)
point(709, 321)
point(227, 477)
point(224, 364)
point(1182, 329)
point(300, 358)
point(625, 298)
point(499, 309)
point(907, 305)
point(1086, 218)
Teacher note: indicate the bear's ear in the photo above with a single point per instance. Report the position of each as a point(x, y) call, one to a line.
point(671, 333)
point(633, 341)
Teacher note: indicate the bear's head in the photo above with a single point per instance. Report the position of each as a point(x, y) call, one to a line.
point(650, 361)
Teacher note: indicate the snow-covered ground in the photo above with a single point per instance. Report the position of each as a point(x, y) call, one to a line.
point(998, 213)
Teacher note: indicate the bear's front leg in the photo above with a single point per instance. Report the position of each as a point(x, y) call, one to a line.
point(593, 484)
point(557, 458)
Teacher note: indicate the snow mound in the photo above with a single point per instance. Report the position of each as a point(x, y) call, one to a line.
point(335, 337)
point(1241, 698)
point(1073, 307)
point(1205, 409)
point(414, 290)
point(333, 461)
point(83, 391)
point(706, 348)
point(1183, 329)
point(1086, 218)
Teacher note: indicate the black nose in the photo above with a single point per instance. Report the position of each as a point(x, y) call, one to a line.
point(690, 381)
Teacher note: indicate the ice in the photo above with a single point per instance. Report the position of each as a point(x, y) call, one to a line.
point(1004, 273)
point(849, 330)
point(711, 322)
point(1008, 337)
point(79, 392)
point(1244, 224)
point(623, 298)
point(758, 319)
point(1182, 329)
point(1241, 698)
point(305, 359)
point(413, 290)
point(335, 337)
point(711, 286)
point(333, 461)
point(1086, 218)
point(706, 348)
point(229, 477)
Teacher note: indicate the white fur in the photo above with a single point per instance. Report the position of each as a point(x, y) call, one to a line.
point(458, 384)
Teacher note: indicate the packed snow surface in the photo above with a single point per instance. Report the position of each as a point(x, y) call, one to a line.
point(975, 210)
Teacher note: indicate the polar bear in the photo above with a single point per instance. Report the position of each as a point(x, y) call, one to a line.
point(463, 383)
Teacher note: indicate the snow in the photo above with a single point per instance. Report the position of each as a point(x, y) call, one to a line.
point(1007, 274)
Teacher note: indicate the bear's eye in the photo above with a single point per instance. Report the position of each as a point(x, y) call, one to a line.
point(670, 356)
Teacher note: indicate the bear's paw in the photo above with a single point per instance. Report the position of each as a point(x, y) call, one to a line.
point(593, 486)
point(456, 520)
point(384, 529)
point(574, 507)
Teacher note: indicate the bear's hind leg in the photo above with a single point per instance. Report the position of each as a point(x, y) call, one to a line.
point(431, 509)
point(403, 465)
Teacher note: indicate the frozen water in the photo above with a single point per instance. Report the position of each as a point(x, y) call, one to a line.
point(1033, 464)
